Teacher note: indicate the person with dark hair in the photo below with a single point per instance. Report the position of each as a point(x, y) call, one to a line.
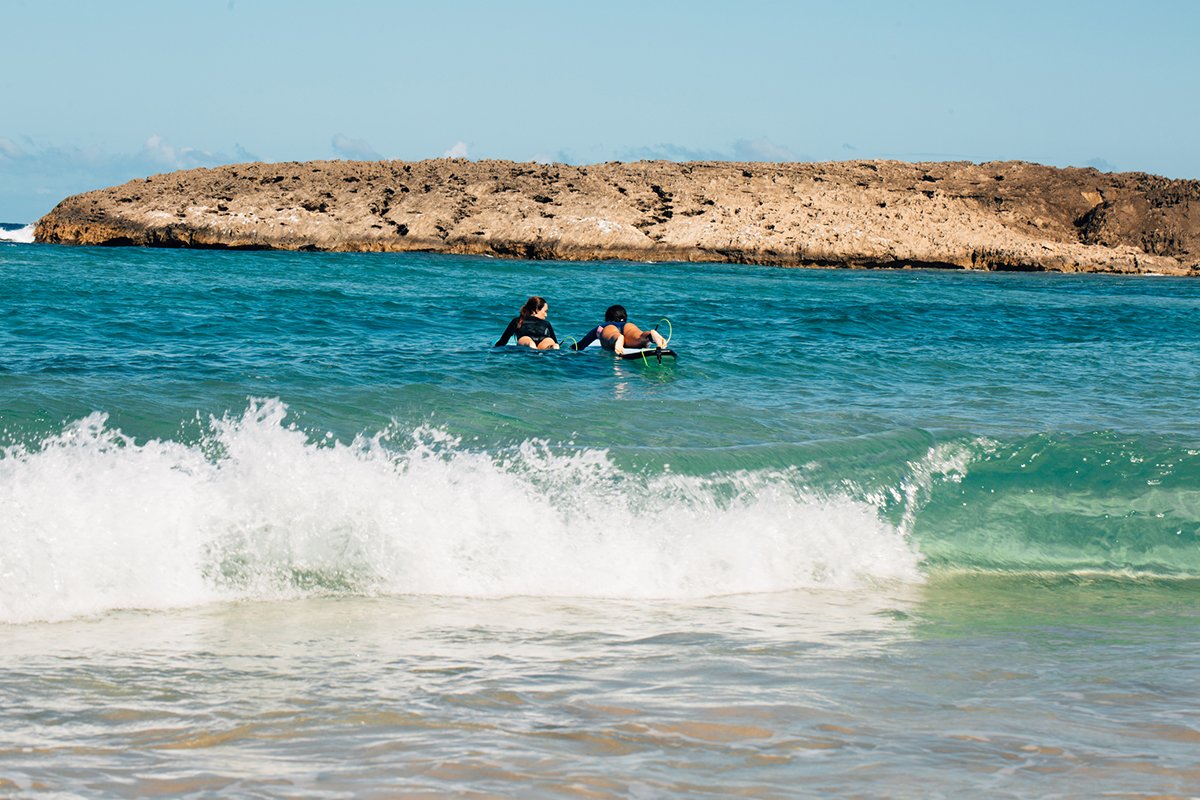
point(617, 332)
point(531, 327)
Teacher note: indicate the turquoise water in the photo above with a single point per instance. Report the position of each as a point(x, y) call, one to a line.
point(281, 523)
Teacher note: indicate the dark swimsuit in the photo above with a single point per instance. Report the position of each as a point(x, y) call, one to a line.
point(594, 334)
point(534, 328)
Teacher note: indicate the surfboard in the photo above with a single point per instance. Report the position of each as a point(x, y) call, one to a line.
point(647, 354)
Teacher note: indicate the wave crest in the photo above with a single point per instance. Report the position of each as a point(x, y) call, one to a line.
point(22, 235)
point(259, 509)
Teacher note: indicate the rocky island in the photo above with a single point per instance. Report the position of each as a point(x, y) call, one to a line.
point(960, 215)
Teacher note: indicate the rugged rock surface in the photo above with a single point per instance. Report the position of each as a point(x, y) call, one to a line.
point(996, 216)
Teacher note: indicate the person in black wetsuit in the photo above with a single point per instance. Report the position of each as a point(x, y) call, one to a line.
point(531, 327)
point(617, 332)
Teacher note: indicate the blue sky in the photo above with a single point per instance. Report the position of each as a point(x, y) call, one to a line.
point(93, 94)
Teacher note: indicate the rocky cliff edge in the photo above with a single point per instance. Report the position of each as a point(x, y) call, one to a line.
point(995, 216)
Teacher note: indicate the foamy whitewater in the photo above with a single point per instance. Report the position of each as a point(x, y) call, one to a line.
point(283, 524)
point(254, 510)
point(18, 234)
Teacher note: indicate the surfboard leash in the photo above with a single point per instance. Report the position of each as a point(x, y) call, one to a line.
point(670, 330)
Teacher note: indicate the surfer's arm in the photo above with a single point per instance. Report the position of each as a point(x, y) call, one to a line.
point(509, 332)
point(587, 339)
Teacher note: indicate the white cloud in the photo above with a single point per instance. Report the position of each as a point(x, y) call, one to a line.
point(921, 156)
point(33, 176)
point(354, 149)
point(9, 148)
point(742, 150)
point(671, 152)
point(561, 157)
point(161, 153)
point(459, 150)
point(761, 149)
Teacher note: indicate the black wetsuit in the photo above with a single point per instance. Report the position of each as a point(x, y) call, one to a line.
point(534, 328)
point(594, 334)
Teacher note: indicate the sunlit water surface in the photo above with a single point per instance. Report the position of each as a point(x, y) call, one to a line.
point(286, 525)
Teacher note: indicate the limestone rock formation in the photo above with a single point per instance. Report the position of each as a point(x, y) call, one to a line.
point(995, 216)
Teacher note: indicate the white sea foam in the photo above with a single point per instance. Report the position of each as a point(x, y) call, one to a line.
point(94, 521)
point(19, 235)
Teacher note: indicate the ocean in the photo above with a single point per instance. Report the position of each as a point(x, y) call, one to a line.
point(286, 524)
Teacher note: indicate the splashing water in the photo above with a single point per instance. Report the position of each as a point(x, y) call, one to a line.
point(256, 508)
point(17, 234)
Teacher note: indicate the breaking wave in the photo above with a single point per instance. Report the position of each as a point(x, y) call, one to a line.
point(15, 234)
point(257, 508)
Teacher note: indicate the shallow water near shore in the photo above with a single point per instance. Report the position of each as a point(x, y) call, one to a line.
point(283, 523)
point(951, 687)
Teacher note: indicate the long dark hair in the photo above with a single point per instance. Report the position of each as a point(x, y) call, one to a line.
point(532, 306)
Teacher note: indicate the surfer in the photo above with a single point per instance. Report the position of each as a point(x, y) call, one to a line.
point(617, 332)
point(531, 327)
